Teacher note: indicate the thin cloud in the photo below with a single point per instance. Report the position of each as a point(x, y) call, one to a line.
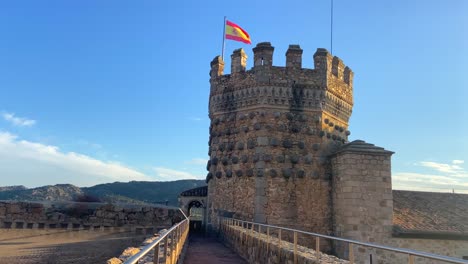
point(36, 164)
point(445, 177)
point(196, 119)
point(18, 121)
point(171, 175)
point(424, 182)
point(453, 169)
point(197, 161)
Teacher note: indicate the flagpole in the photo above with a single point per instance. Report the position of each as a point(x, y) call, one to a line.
point(331, 28)
point(224, 38)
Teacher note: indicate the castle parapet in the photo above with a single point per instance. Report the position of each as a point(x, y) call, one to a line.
point(238, 61)
point(326, 66)
point(263, 54)
point(294, 57)
point(348, 76)
point(328, 86)
point(217, 67)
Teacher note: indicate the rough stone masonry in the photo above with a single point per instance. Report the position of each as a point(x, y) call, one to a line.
point(272, 130)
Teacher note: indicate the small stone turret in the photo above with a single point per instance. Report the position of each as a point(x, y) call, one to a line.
point(217, 67)
point(294, 57)
point(238, 61)
point(263, 54)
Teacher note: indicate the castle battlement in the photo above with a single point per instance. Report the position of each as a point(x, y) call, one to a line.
point(328, 69)
point(328, 87)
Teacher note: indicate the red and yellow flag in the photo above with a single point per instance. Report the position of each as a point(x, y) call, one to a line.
point(234, 32)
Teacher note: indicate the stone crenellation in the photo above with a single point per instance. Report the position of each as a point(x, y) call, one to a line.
point(326, 87)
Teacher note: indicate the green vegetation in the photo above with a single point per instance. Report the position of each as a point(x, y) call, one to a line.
point(124, 192)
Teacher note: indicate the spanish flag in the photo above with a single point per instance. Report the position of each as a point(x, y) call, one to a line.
point(234, 32)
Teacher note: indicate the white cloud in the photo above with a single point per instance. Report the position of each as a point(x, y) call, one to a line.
point(450, 169)
point(445, 177)
point(172, 175)
point(428, 182)
point(197, 161)
point(18, 121)
point(36, 164)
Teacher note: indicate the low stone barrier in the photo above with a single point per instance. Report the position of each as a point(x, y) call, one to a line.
point(71, 215)
point(258, 248)
point(130, 251)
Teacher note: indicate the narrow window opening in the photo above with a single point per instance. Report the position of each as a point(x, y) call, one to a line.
point(262, 61)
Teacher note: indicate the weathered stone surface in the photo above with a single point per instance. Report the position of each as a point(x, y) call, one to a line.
point(287, 143)
point(114, 261)
point(284, 107)
point(251, 144)
point(274, 142)
point(240, 145)
point(244, 158)
point(71, 215)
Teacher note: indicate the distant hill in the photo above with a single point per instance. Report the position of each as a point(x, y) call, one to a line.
point(127, 192)
point(151, 192)
point(12, 188)
point(59, 192)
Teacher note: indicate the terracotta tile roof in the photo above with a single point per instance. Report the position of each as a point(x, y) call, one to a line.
point(430, 212)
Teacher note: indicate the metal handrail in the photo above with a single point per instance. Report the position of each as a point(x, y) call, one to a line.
point(156, 243)
point(410, 252)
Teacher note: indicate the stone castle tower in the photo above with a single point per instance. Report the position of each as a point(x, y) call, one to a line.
point(279, 150)
point(272, 129)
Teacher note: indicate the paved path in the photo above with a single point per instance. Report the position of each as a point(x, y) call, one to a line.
point(204, 250)
point(23, 246)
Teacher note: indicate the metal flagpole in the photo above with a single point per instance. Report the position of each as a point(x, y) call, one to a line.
point(331, 28)
point(224, 38)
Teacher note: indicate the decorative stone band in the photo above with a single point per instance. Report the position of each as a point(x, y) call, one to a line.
point(285, 98)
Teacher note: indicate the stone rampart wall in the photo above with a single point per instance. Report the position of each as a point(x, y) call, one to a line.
point(452, 248)
point(30, 215)
point(259, 248)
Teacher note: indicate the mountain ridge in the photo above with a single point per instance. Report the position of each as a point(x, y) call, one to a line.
point(127, 192)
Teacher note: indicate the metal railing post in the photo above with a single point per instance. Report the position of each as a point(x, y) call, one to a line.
point(156, 255)
point(351, 254)
point(268, 239)
point(172, 248)
point(295, 247)
point(317, 248)
point(166, 244)
point(259, 233)
point(279, 245)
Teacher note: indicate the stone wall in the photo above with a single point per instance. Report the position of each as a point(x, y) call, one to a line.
point(70, 215)
point(362, 195)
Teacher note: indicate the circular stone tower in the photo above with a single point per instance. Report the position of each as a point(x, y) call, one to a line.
point(272, 129)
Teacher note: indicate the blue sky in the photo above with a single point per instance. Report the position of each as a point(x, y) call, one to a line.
point(103, 91)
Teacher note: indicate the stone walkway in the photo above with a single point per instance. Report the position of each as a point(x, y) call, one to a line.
point(206, 250)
